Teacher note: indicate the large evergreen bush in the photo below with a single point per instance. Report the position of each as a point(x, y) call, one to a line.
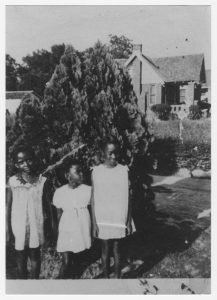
point(87, 99)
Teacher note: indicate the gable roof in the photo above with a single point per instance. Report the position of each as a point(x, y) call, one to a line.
point(180, 68)
point(174, 68)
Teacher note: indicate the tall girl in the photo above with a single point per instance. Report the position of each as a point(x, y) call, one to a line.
point(110, 205)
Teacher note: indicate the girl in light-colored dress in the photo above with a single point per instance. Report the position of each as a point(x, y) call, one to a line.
point(24, 212)
point(71, 201)
point(110, 205)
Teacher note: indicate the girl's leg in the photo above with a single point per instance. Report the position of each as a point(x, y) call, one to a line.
point(35, 259)
point(64, 270)
point(116, 253)
point(21, 264)
point(105, 258)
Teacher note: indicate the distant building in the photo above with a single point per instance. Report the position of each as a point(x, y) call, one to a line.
point(13, 99)
point(170, 80)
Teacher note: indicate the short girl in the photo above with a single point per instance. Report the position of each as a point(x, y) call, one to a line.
point(72, 202)
point(110, 205)
point(25, 212)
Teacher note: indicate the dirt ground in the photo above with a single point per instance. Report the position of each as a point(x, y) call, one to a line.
point(174, 243)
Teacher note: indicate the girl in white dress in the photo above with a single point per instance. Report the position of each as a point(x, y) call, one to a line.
point(24, 212)
point(71, 201)
point(110, 205)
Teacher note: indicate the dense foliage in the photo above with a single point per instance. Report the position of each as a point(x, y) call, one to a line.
point(87, 99)
point(120, 46)
point(11, 73)
point(35, 70)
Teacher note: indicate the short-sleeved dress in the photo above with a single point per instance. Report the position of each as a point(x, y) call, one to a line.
point(27, 212)
point(75, 225)
point(111, 193)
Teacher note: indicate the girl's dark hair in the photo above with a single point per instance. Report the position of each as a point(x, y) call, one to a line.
point(24, 149)
point(73, 162)
point(110, 140)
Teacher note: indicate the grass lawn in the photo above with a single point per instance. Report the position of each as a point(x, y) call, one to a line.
point(194, 131)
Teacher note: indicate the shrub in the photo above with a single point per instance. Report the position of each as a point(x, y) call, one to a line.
point(87, 99)
point(204, 105)
point(169, 151)
point(194, 112)
point(162, 111)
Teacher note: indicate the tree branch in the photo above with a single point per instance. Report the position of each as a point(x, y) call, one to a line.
point(59, 162)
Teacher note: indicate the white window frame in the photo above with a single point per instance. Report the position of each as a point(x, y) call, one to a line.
point(182, 88)
point(152, 94)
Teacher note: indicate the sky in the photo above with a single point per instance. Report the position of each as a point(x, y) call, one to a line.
point(162, 30)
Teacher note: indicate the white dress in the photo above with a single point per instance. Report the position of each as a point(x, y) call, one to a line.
point(75, 225)
point(111, 200)
point(27, 214)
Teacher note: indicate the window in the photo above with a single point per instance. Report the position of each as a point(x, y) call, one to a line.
point(182, 95)
point(152, 94)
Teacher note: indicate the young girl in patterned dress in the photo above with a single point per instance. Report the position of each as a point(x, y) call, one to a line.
point(25, 213)
point(110, 205)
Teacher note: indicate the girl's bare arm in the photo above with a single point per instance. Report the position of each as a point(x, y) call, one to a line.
point(129, 215)
point(9, 200)
point(59, 214)
point(95, 229)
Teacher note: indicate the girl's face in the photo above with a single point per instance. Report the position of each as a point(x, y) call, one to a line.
point(74, 176)
point(24, 162)
point(111, 155)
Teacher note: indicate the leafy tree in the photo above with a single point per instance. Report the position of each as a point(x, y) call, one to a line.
point(11, 73)
point(121, 46)
point(87, 99)
point(28, 129)
point(38, 68)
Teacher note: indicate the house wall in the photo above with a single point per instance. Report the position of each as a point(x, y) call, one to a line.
point(149, 75)
point(159, 99)
point(173, 92)
point(144, 99)
point(143, 76)
point(190, 91)
point(135, 72)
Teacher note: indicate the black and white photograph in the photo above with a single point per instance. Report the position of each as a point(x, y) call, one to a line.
point(108, 149)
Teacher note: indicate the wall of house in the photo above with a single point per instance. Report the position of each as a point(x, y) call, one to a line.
point(173, 92)
point(190, 91)
point(144, 99)
point(135, 72)
point(149, 75)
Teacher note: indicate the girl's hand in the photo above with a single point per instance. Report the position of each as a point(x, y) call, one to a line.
point(95, 230)
point(8, 238)
point(129, 228)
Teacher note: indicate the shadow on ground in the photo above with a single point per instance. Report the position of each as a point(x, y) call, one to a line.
point(166, 223)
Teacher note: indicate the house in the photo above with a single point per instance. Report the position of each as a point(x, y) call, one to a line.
point(170, 80)
point(13, 99)
point(206, 88)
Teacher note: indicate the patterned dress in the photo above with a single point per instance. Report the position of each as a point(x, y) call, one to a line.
point(27, 213)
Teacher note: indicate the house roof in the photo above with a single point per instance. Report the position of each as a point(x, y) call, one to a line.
point(17, 94)
point(174, 68)
point(180, 68)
